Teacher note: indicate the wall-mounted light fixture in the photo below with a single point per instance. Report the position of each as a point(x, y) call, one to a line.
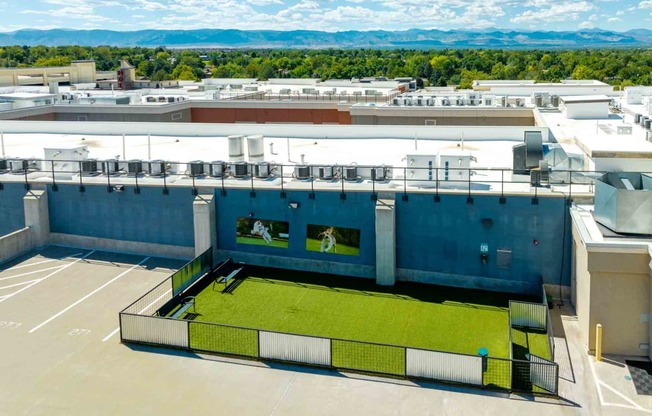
point(293, 205)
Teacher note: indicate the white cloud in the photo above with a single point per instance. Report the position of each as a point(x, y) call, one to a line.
point(614, 19)
point(555, 13)
point(645, 4)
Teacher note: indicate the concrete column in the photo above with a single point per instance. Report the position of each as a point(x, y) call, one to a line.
point(385, 242)
point(203, 209)
point(37, 216)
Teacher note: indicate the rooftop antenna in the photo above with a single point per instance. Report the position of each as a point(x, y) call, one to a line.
point(2, 140)
point(415, 141)
point(462, 139)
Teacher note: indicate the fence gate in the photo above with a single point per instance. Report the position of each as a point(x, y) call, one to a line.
point(544, 374)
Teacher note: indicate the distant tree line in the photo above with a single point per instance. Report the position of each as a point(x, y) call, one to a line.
point(619, 67)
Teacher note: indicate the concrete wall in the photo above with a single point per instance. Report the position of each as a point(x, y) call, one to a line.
point(612, 287)
point(471, 133)
point(620, 301)
point(265, 115)
point(125, 114)
point(356, 211)
point(14, 244)
point(581, 286)
point(435, 242)
point(476, 116)
point(12, 212)
point(148, 217)
point(440, 242)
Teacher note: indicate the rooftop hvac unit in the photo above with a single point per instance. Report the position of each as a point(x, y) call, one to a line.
point(217, 168)
point(395, 101)
point(196, 167)
point(110, 166)
point(236, 148)
point(18, 165)
point(256, 148)
point(648, 124)
point(637, 118)
point(379, 173)
point(302, 172)
point(89, 166)
point(430, 102)
point(323, 172)
point(239, 169)
point(262, 169)
point(642, 121)
point(350, 173)
point(3, 163)
point(134, 167)
point(554, 100)
point(419, 100)
point(538, 100)
point(155, 167)
point(285, 91)
point(446, 102)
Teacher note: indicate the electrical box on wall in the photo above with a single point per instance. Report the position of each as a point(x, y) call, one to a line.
point(484, 253)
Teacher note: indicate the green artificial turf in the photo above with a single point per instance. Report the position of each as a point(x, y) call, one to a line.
point(411, 315)
point(527, 341)
point(315, 245)
point(261, 242)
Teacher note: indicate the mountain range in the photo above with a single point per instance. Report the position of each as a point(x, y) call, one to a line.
point(412, 39)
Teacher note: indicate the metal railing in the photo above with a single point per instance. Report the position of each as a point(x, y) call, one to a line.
point(541, 375)
point(297, 96)
point(116, 175)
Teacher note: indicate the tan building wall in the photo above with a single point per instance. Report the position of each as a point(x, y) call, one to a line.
point(79, 72)
point(612, 286)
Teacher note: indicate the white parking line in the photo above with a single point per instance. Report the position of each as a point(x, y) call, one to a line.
point(87, 296)
point(22, 266)
point(46, 277)
point(19, 284)
point(599, 384)
point(34, 272)
point(115, 331)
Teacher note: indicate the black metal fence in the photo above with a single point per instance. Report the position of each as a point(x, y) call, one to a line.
point(116, 175)
point(145, 322)
point(540, 374)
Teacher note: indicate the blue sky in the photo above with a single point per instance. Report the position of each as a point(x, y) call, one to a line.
point(329, 15)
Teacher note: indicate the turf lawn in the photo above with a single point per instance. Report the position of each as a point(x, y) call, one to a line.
point(413, 315)
point(315, 245)
point(530, 342)
point(261, 242)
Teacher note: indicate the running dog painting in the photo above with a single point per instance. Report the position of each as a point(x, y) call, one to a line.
point(263, 232)
point(333, 240)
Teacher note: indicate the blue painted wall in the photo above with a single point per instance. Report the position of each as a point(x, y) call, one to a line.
point(445, 237)
point(357, 211)
point(12, 211)
point(148, 217)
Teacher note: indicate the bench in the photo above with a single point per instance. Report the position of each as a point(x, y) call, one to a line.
point(226, 279)
point(186, 304)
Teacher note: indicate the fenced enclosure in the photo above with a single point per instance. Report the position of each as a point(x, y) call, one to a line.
point(138, 325)
point(532, 321)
